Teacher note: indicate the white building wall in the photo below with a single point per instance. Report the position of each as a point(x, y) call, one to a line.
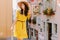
point(54, 20)
point(58, 18)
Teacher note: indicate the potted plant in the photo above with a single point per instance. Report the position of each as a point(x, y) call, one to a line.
point(48, 0)
point(36, 9)
point(49, 12)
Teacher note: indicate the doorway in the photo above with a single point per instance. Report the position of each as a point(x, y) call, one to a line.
point(49, 31)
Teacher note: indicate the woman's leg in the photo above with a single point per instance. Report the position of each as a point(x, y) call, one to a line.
point(20, 39)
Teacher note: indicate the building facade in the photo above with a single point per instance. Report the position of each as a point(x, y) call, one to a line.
point(47, 25)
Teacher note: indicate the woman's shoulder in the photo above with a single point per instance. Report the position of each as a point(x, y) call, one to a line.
point(18, 10)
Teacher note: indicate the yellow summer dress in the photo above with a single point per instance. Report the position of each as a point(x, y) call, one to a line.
point(20, 26)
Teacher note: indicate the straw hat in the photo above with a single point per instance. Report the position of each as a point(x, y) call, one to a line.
point(20, 2)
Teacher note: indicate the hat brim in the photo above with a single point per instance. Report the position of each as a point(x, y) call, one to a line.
point(19, 3)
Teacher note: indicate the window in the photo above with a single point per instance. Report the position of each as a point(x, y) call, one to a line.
point(31, 31)
point(44, 25)
point(36, 34)
point(38, 20)
point(55, 26)
point(50, 3)
point(40, 29)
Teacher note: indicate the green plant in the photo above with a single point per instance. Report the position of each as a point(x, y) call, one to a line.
point(48, 0)
point(48, 11)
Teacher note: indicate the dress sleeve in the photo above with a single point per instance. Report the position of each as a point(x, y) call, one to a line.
point(17, 13)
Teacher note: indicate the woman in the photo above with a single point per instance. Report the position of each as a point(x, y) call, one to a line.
point(20, 23)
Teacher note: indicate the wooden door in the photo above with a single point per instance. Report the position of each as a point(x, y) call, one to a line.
point(5, 18)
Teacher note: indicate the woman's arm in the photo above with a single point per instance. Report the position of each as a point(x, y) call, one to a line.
point(14, 22)
point(12, 26)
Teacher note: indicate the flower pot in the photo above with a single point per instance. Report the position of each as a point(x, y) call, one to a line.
point(48, 12)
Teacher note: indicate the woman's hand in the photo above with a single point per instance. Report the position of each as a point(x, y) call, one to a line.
point(13, 24)
point(12, 27)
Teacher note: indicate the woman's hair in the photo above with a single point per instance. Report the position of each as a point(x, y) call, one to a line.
point(26, 9)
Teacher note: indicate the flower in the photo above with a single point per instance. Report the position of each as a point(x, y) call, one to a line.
point(48, 11)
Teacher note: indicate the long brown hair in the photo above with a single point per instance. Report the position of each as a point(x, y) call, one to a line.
point(26, 8)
